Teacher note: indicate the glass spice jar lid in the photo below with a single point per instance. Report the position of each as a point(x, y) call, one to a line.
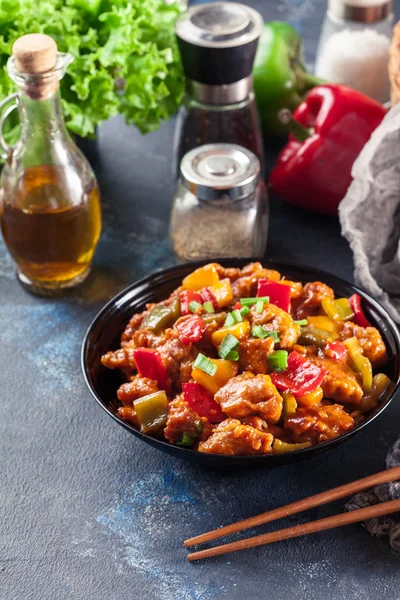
point(220, 171)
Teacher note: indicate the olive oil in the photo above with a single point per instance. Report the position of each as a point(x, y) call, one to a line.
point(53, 247)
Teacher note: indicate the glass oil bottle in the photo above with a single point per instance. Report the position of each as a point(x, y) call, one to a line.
point(50, 206)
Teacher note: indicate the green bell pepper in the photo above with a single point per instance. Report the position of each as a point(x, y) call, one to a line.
point(160, 317)
point(280, 76)
point(152, 412)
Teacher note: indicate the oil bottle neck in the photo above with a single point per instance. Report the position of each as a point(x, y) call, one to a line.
point(43, 118)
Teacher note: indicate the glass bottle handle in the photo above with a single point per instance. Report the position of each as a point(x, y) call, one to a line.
point(6, 109)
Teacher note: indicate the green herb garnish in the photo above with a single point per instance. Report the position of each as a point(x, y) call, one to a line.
point(209, 307)
point(251, 301)
point(278, 360)
point(205, 364)
point(194, 305)
point(259, 306)
point(302, 322)
point(229, 320)
point(228, 344)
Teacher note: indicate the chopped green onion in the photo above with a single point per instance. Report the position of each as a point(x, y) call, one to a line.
point(259, 306)
point(274, 335)
point(209, 307)
point(187, 440)
point(302, 323)
point(228, 343)
point(229, 320)
point(251, 301)
point(244, 311)
point(193, 306)
point(278, 360)
point(259, 332)
point(233, 355)
point(205, 364)
point(237, 317)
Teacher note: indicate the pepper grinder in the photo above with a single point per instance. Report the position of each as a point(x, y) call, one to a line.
point(218, 44)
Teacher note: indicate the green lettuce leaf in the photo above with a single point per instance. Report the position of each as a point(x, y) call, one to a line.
point(126, 58)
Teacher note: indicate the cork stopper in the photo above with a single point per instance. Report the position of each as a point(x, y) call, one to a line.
point(35, 53)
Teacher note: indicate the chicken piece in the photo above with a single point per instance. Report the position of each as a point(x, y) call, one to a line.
point(136, 388)
point(132, 327)
point(177, 357)
point(311, 299)
point(256, 422)
point(121, 358)
point(340, 382)
point(128, 413)
point(183, 420)
point(232, 437)
point(274, 318)
point(227, 273)
point(296, 288)
point(246, 285)
point(320, 423)
point(253, 354)
point(247, 394)
point(370, 339)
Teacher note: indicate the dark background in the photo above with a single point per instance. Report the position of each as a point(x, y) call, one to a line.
point(89, 512)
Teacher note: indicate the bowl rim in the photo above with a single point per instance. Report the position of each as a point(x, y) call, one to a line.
point(268, 263)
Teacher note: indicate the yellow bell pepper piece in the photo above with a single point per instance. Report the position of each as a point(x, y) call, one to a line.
point(206, 276)
point(289, 404)
point(279, 447)
point(239, 330)
point(324, 323)
point(312, 398)
point(222, 292)
point(360, 362)
point(338, 310)
point(226, 369)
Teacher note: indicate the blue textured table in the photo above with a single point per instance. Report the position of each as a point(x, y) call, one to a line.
point(87, 511)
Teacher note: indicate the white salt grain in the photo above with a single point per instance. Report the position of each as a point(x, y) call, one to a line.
point(358, 59)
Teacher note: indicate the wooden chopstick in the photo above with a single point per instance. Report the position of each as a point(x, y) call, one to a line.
point(378, 510)
point(290, 509)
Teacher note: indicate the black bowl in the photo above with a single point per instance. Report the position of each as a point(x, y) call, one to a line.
point(105, 331)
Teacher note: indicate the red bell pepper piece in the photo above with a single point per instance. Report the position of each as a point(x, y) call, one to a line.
point(329, 130)
point(149, 364)
point(185, 298)
point(278, 293)
point(359, 315)
point(191, 329)
point(202, 402)
point(301, 377)
point(237, 306)
point(336, 350)
point(208, 296)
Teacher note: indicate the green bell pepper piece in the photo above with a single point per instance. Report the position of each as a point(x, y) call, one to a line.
point(281, 79)
point(152, 412)
point(160, 317)
point(218, 318)
point(314, 336)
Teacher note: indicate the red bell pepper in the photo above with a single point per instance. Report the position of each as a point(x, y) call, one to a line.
point(278, 293)
point(149, 364)
point(190, 329)
point(329, 129)
point(202, 402)
point(336, 350)
point(359, 315)
point(301, 377)
point(185, 298)
point(237, 306)
point(208, 296)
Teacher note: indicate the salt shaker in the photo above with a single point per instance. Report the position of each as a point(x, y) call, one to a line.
point(220, 206)
point(354, 44)
point(218, 43)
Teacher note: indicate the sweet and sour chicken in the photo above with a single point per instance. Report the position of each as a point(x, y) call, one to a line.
point(246, 362)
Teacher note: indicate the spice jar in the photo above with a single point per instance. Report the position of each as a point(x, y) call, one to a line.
point(50, 206)
point(220, 206)
point(354, 44)
point(218, 43)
